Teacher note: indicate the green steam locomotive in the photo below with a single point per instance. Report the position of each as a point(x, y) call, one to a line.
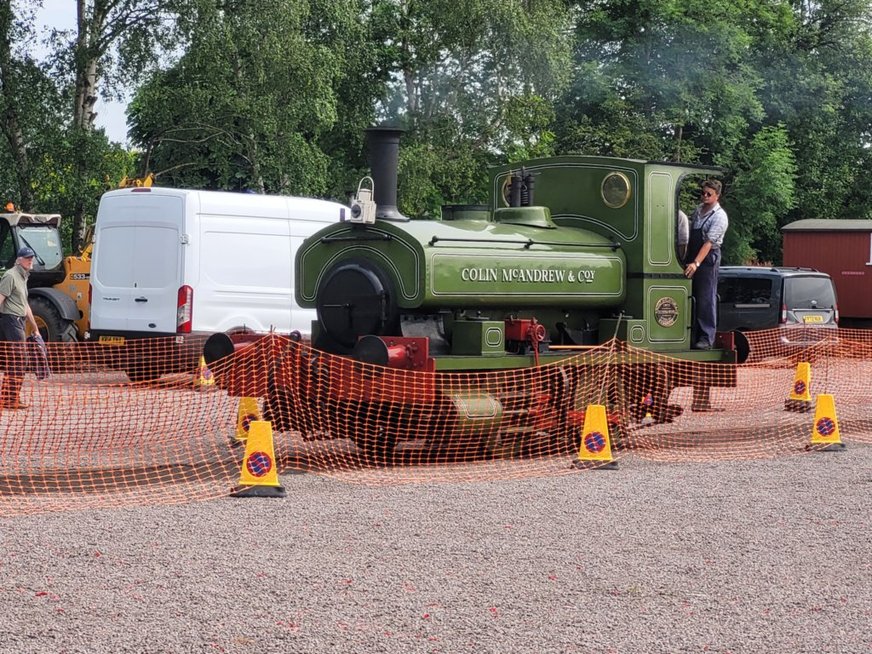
point(570, 253)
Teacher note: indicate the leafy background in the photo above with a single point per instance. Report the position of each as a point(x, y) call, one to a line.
point(273, 96)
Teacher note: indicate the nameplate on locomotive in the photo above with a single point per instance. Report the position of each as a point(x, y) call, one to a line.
point(525, 275)
point(590, 275)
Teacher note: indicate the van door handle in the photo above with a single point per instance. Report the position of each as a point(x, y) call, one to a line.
point(141, 299)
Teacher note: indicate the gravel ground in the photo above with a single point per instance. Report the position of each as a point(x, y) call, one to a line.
point(761, 556)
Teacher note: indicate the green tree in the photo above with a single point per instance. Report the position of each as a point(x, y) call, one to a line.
point(662, 80)
point(41, 148)
point(762, 193)
point(818, 72)
point(13, 84)
point(254, 96)
point(473, 82)
point(718, 82)
point(114, 41)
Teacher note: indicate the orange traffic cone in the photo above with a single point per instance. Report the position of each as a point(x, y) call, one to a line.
point(799, 399)
point(825, 436)
point(595, 450)
point(258, 476)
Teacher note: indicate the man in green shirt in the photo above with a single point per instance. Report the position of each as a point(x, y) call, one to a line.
point(14, 311)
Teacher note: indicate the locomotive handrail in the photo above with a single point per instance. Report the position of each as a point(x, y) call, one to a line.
point(527, 243)
point(367, 237)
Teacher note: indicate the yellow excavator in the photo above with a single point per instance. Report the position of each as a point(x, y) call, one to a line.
point(58, 286)
point(136, 182)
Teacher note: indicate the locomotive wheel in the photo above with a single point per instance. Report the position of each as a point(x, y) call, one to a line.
point(52, 327)
point(563, 392)
point(376, 446)
point(278, 405)
point(375, 432)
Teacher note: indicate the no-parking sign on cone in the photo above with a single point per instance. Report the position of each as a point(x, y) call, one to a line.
point(258, 476)
point(246, 414)
point(800, 393)
point(204, 378)
point(825, 436)
point(595, 450)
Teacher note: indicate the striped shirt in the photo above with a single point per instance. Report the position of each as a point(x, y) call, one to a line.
point(713, 224)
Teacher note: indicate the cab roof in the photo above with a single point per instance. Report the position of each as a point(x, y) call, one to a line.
point(21, 218)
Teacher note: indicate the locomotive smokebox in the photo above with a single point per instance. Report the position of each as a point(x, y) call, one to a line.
point(383, 149)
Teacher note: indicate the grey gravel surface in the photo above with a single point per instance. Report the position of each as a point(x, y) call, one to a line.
point(762, 556)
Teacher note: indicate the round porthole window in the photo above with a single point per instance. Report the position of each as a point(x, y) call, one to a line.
point(616, 190)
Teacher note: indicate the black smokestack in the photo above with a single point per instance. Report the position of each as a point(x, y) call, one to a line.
point(383, 147)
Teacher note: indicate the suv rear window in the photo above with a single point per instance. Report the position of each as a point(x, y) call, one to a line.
point(809, 292)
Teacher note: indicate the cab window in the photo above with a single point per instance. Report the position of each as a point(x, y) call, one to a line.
point(45, 241)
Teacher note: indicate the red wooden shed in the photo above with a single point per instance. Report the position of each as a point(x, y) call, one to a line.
point(843, 249)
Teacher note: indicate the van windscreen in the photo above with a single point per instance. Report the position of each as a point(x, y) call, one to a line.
point(809, 292)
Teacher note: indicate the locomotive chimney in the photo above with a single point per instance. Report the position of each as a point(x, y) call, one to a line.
point(383, 147)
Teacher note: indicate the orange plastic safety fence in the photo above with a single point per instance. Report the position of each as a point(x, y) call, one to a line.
point(91, 437)
point(88, 437)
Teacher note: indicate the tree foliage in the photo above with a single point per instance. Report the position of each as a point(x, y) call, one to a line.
point(762, 193)
point(112, 42)
point(719, 82)
point(41, 148)
point(249, 103)
point(473, 82)
point(273, 96)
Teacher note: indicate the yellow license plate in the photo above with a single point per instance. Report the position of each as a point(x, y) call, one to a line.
point(111, 340)
point(812, 319)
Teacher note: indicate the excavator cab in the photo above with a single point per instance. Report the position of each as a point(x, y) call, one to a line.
point(55, 312)
point(40, 233)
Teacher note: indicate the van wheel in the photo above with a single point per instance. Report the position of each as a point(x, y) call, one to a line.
point(52, 327)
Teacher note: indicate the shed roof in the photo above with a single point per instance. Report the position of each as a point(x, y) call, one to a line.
point(823, 225)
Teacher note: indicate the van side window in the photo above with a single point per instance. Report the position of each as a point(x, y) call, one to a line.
point(745, 290)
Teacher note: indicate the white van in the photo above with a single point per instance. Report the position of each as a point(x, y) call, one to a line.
point(187, 264)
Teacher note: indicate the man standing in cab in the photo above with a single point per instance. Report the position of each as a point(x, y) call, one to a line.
point(708, 224)
point(14, 311)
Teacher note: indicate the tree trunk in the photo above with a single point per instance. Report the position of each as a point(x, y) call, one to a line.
point(9, 106)
point(87, 55)
point(254, 162)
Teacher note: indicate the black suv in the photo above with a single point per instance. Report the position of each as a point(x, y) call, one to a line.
point(754, 297)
